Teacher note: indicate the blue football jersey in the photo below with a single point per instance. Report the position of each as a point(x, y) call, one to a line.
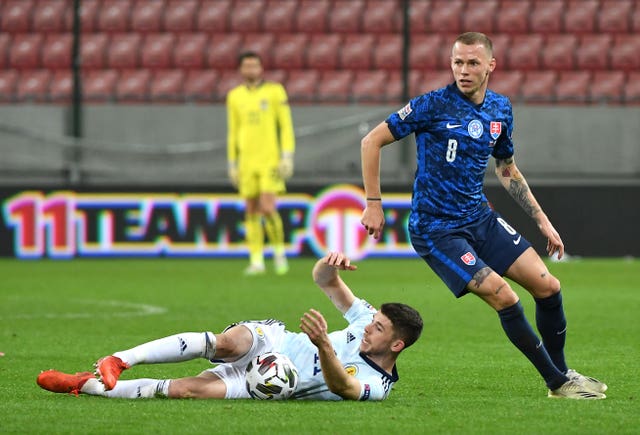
point(454, 140)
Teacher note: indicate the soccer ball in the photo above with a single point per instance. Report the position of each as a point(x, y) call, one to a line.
point(271, 376)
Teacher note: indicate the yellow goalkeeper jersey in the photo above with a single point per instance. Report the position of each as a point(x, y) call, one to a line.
point(259, 124)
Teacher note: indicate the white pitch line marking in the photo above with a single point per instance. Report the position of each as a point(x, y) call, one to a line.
point(133, 309)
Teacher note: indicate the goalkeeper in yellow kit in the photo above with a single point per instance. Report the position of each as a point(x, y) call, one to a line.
point(260, 146)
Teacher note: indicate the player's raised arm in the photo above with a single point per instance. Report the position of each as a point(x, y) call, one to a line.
point(373, 215)
point(325, 275)
point(339, 382)
point(513, 180)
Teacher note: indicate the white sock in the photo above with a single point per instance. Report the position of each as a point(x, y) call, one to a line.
point(133, 389)
point(179, 347)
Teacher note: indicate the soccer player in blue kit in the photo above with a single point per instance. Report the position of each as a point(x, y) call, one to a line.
point(355, 363)
point(466, 243)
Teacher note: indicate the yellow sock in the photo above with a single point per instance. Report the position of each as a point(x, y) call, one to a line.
point(255, 238)
point(275, 232)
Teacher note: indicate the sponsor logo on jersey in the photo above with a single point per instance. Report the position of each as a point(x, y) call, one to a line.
point(450, 125)
point(264, 104)
point(495, 128)
point(405, 111)
point(468, 259)
point(351, 369)
point(350, 337)
point(475, 129)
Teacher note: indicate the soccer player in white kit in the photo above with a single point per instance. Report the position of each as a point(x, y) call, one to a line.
point(355, 363)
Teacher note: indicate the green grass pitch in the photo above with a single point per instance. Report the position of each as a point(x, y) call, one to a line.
point(463, 376)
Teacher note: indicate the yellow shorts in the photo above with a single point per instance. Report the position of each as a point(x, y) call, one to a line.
point(254, 181)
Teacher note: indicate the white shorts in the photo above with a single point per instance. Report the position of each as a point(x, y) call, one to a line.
point(268, 336)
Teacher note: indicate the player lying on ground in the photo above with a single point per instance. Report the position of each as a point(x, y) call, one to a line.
point(355, 363)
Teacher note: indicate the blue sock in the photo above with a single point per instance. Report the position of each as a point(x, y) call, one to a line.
point(521, 334)
point(552, 326)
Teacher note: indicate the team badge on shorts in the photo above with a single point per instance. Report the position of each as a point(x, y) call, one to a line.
point(468, 259)
point(475, 129)
point(495, 128)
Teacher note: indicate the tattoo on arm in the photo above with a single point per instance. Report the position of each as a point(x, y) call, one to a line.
point(499, 289)
point(520, 192)
point(481, 275)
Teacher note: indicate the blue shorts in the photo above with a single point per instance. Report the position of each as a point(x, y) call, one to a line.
point(456, 255)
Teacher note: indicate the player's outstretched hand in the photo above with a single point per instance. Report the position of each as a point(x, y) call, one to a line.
point(339, 261)
point(554, 242)
point(314, 325)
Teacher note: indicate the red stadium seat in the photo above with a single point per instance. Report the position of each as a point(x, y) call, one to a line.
point(631, 92)
point(312, 16)
point(356, 52)
point(275, 75)
point(387, 53)
point(394, 88)
point(49, 16)
point(580, 16)
point(607, 87)
point(200, 85)
point(189, 50)
point(444, 16)
point(5, 43)
point(180, 16)
point(146, 16)
point(370, 86)
point(323, 52)
point(425, 51)
point(8, 84)
point(559, 52)
point(93, 50)
point(346, 16)
point(61, 87)
point(157, 50)
point(16, 16)
point(513, 17)
point(100, 85)
point(434, 80)
point(539, 86)
point(56, 51)
point(124, 51)
point(246, 16)
point(33, 85)
point(501, 43)
point(289, 51)
point(335, 86)
point(167, 85)
point(114, 16)
point(507, 83)
point(278, 16)
point(524, 52)
point(546, 16)
point(418, 12)
point(613, 16)
point(261, 43)
point(223, 51)
point(25, 51)
point(228, 80)
point(133, 86)
point(573, 86)
point(89, 11)
point(301, 85)
point(624, 53)
point(382, 16)
point(213, 16)
point(479, 16)
point(593, 52)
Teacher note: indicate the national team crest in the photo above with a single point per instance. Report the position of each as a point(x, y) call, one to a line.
point(475, 129)
point(495, 128)
point(468, 259)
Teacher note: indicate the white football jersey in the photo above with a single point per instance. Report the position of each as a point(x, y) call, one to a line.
point(375, 383)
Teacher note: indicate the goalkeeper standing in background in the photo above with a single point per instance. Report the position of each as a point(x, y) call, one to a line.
point(260, 147)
